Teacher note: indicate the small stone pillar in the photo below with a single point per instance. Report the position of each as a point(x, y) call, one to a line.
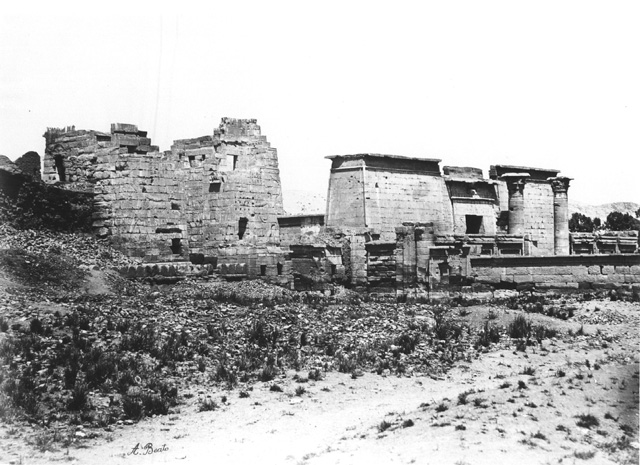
point(515, 185)
point(560, 185)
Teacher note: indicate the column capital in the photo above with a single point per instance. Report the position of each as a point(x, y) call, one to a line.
point(560, 184)
point(515, 182)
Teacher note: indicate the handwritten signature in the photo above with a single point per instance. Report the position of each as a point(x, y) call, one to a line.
point(147, 449)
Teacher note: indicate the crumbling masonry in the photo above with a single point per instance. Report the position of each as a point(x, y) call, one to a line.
point(208, 200)
point(392, 224)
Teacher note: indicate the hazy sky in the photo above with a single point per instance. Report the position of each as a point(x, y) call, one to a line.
point(550, 84)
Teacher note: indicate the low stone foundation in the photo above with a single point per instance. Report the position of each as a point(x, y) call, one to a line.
point(586, 272)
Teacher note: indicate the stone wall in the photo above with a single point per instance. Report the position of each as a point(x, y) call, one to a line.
point(299, 228)
point(381, 266)
point(536, 216)
point(185, 203)
point(605, 242)
point(382, 191)
point(585, 272)
point(539, 219)
point(247, 261)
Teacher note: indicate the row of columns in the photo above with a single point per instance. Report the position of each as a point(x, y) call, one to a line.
point(515, 184)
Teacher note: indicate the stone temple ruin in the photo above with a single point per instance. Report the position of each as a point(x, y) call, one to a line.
point(393, 224)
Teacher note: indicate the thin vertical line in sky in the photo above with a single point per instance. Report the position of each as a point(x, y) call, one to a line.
point(157, 103)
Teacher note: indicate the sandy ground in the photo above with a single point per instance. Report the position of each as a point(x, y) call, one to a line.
point(339, 419)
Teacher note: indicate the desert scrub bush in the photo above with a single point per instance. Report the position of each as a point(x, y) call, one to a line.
point(300, 391)
point(44, 441)
point(79, 397)
point(100, 366)
point(407, 342)
point(224, 372)
point(488, 335)
point(539, 435)
point(529, 370)
point(35, 326)
point(164, 389)
point(407, 423)
point(383, 426)
point(207, 405)
point(315, 374)
point(445, 327)
point(262, 334)
point(268, 373)
point(442, 407)
point(173, 349)
point(541, 332)
point(346, 364)
point(480, 402)
point(519, 328)
point(585, 455)
point(621, 443)
point(462, 397)
point(140, 338)
point(587, 420)
point(154, 404)
point(275, 388)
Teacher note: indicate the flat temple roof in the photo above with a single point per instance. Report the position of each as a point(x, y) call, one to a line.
point(514, 168)
point(382, 155)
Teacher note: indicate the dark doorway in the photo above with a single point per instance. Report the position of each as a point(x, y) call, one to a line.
point(263, 270)
point(59, 163)
point(242, 227)
point(474, 224)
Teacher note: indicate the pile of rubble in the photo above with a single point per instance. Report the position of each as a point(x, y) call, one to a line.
point(84, 250)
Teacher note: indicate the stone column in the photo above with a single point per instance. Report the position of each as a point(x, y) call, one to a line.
point(515, 185)
point(560, 185)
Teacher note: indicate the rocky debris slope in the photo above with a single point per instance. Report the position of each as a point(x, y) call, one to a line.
point(72, 359)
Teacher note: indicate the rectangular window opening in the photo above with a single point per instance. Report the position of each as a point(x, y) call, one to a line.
point(263, 270)
point(235, 162)
point(279, 266)
point(214, 186)
point(474, 224)
point(242, 227)
point(176, 246)
point(333, 269)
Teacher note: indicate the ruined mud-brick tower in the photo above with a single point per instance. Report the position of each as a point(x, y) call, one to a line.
point(186, 203)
